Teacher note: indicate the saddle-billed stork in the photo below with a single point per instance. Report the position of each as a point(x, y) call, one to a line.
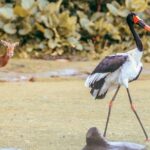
point(118, 70)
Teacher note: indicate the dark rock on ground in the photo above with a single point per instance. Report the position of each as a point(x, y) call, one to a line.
point(95, 141)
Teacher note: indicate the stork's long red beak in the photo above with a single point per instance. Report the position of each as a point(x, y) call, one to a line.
point(141, 23)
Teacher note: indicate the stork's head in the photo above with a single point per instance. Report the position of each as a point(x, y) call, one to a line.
point(10, 47)
point(134, 19)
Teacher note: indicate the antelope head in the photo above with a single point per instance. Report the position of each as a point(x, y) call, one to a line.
point(10, 47)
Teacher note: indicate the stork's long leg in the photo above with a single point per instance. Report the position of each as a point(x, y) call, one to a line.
point(138, 118)
point(109, 111)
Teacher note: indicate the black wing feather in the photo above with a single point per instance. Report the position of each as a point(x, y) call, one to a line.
point(110, 64)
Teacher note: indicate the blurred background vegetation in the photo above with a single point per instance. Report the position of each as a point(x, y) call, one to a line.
point(73, 29)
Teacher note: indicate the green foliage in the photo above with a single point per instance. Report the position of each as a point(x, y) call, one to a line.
point(51, 28)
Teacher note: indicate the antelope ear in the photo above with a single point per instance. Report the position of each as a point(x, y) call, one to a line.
point(16, 43)
point(4, 42)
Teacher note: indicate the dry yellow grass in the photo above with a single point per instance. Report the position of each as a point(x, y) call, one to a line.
point(57, 113)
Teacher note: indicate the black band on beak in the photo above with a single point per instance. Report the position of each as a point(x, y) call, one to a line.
point(141, 23)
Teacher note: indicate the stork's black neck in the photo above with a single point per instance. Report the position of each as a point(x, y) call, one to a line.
point(135, 35)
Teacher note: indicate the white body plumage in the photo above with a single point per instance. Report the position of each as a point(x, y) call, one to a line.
point(122, 76)
point(131, 68)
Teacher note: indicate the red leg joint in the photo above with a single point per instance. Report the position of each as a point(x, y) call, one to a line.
point(132, 107)
point(147, 140)
point(110, 104)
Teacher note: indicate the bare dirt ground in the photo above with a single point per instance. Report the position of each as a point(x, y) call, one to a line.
point(56, 113)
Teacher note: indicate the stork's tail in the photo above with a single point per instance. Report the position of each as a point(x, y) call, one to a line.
point(98, 89)
point(97, 93)
point(97, 84)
